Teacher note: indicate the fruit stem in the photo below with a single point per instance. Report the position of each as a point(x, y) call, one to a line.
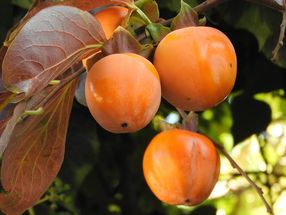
point(241, 171)
point(182, 113)
point(189, 121)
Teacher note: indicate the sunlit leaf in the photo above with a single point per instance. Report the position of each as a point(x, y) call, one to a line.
point(35, 154)
point(49, 43)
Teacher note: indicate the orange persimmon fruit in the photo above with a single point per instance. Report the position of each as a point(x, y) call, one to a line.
point(111, 18)
point(197, 67)
point(181, 167)
point(123, 92)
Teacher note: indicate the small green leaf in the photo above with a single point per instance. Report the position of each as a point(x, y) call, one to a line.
point(157, 31)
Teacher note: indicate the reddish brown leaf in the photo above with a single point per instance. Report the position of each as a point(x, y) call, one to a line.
point(35, 154)
point(185, 18)
point(50, 42)
point(150, 8)
point(123, 42)
point(10, 125)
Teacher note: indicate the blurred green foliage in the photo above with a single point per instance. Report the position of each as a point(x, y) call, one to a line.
point(102, 172)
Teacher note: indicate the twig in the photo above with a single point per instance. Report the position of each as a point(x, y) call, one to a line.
point(31, 211)
point(280, 39)
point(241, 171)
point(204, 6)
point(207, 5)
point(274, 4)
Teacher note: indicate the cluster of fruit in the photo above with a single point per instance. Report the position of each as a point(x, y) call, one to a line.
point(194, 68)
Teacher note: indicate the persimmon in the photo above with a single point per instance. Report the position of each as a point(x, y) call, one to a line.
point(181, 167)
point(123, 92)
point(111, 18)
point(197, 67)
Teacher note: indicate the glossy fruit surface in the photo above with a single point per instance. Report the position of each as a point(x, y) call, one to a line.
point(111, 18)
point(181, 167)
point(123, 92)
point(197, 67)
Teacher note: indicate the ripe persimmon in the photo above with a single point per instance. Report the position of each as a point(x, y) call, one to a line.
point(197, 67)
point(181, 167)
point(123, 92)
point(111, 18)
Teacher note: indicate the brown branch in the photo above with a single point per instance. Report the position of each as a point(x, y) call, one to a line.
point(207, 5)
point(280, 39)
point(271, 4)
point(241, 171)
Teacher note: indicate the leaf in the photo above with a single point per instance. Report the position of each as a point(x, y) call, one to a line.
point(50, 42)
point(23, 3)
point(123, 42)
point(35, 153)
point(9, 125)
point(185, 18)
point(262, 22)
point(157, 31)
point(150, 8)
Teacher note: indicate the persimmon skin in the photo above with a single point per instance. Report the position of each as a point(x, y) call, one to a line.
point(181, 167)
point(197, 67)
point(123, 92)
point(111, 18)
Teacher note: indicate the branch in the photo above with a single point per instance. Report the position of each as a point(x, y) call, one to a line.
point(280, 39)
point(274, 4)
point(204, 6)
point(241, 171)
point(207, 5)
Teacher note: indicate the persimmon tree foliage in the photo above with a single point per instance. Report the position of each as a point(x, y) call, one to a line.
point(44, 60)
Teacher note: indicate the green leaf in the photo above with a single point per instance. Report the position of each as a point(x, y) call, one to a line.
point(157, 31)
point(23, 3)
point(262, 22)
